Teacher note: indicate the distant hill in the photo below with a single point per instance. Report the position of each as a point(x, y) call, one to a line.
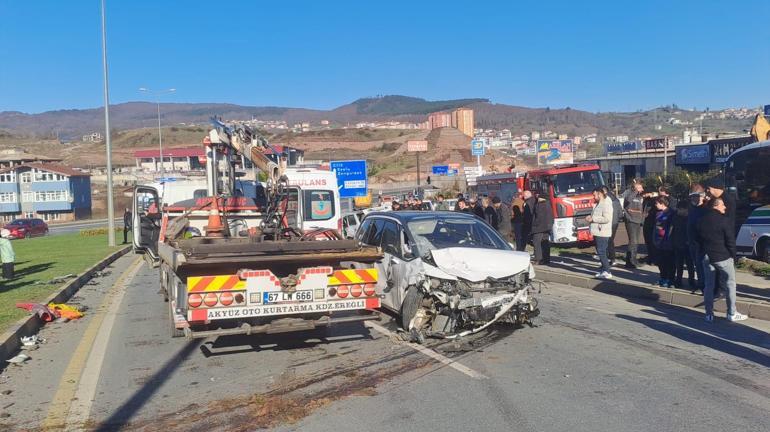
point(71, 124)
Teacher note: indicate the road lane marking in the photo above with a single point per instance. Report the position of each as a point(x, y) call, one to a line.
point(88, 356)
point(430, 353)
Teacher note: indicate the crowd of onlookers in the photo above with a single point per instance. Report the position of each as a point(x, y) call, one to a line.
point(696, 234)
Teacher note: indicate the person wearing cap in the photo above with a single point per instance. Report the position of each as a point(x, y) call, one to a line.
point(715, 188)
point(6, 254)
point(716, 236)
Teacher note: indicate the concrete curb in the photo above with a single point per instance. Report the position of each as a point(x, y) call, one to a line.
point(10, 341)
point(673, 296)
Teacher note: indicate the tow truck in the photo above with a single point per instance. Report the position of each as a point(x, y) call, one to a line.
point(229, 265)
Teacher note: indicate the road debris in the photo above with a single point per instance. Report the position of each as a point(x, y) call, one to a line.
point(19, 359)
point(61, 279)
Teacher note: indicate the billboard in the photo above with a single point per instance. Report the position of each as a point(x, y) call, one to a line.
point(552, 152)
point(693, 154)
point(417, 146)
point(454, 169)
point(477, 148)
point(618, 147)
point(722, 147)
point(655, 144)
point(352, 177)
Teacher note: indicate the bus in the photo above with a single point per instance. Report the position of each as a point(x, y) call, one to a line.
point(747, 176)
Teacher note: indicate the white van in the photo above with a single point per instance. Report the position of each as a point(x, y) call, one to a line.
point(320, 198)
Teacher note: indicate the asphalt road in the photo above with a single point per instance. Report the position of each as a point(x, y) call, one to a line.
point(55, 229)
point(594, 362)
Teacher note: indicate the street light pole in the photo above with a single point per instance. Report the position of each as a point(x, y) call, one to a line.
point(108, 142)
point(160, 131)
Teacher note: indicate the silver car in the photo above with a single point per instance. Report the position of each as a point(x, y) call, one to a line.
point(448, 274)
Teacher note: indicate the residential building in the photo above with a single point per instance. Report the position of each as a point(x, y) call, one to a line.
point(174, 159)
point(49, 191)
point(14, 156)
point(93, 137)
point(462, 120)
point(440, 119)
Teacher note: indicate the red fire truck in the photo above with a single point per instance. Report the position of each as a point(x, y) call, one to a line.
point(569, 188)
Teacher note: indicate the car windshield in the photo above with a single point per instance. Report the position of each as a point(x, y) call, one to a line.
point(575, 183)
point(431, 233)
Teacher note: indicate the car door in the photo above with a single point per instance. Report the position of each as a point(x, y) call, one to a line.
point(396, 266)
point(146, 221)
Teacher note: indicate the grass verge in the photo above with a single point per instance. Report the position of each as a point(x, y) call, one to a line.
point(40, 259)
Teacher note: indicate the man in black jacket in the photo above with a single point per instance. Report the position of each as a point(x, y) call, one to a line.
point(716, 237)
point(526, 225)
point(633, 203)
point(128, 220)
point(490, 215)
point(715, 188)
point(542, 222)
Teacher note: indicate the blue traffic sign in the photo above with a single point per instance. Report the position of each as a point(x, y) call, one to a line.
point(477, 148)
point(440, 169)
point(352, 177)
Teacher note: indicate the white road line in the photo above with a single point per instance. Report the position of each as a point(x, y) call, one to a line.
point(430, 353)
point(86, 391)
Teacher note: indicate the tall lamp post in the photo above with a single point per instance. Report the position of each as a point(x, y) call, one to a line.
point(110, 204)
point(157, 94)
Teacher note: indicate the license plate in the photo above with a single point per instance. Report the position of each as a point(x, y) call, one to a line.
point(284, 297)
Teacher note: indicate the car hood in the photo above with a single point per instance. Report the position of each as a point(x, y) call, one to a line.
point(475, 265)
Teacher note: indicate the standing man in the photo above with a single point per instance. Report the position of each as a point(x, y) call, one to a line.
point(526, 226)
point(478, 210)
point(517, 210)
point(503, 219)
point(7, 257)
point(462, 206)
point(490, 215)
point(694, 215)
point(717, 240)
point(617, 213)
point(440, 204)
point(633, 204)
point(128, 220)
point(601, 228)
point(715, 188)
point(542, 223)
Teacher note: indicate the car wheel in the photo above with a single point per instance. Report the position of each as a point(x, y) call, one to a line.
point(764, 251)
point(410, 305)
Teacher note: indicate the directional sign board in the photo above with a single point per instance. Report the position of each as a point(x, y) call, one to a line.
point(477, 148)
point(417, 146)
point(440, 169)
point(351, 177)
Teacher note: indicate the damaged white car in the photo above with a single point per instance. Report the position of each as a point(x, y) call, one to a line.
point(448, 274)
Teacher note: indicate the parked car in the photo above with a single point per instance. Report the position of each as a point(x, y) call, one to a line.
point(26, 228)
point(448, 274)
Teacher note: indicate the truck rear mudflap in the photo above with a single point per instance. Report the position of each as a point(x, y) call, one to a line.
point(258, 301)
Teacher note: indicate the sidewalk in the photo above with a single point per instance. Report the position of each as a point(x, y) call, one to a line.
point(579, 269)
point(750, 287)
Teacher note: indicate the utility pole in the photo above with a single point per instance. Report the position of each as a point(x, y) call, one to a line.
point(110, 204)
point(665, 159)
point(418, 173)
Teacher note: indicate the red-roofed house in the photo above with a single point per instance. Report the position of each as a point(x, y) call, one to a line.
point(50, 191)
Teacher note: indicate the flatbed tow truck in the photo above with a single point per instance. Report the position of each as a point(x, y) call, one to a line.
point(229, 266)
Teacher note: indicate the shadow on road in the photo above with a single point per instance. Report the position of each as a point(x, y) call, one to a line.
point(328, 336)
point(125, 412)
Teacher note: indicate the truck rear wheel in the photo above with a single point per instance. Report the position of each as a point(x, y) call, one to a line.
point(175, 332)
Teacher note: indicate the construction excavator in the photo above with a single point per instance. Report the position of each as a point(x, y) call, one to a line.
point(761, 128)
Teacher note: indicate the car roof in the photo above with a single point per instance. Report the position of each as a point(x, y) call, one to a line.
point(408, 215)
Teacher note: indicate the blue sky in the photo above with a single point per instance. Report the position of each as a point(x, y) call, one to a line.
point(600, 55)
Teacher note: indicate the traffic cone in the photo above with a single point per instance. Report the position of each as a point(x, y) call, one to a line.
point(214, 227)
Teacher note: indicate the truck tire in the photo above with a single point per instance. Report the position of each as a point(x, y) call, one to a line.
point(175, 332)
point(764, 250)
point(410, 305)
